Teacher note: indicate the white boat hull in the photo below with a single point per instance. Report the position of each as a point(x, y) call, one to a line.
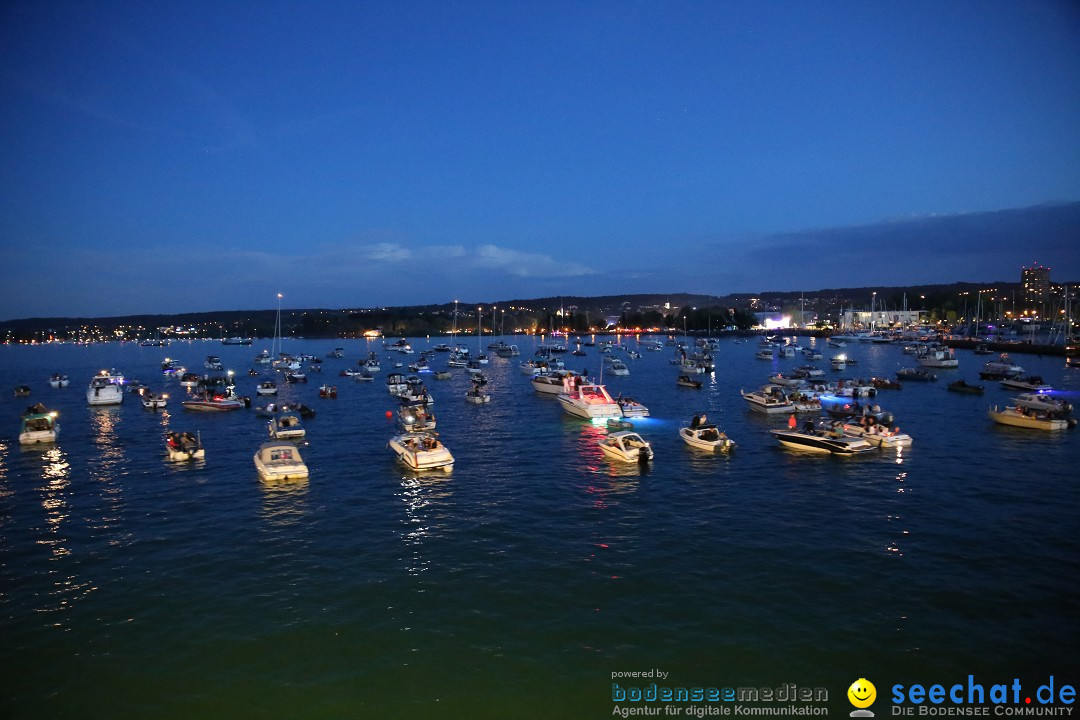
point(276, 461)
point(814, 443)
point(110, 395)
point(590, 411)
point(175, 455)
point(876, 439)
point(418, 458)
point(547, 384)
point(762, 405)
point(34, 437)
point(707, 442)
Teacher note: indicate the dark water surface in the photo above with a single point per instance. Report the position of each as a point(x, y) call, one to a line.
point(516, 585)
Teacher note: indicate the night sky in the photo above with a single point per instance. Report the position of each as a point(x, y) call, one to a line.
point(186, 156)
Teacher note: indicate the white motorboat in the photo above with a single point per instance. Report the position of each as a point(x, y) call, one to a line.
point(263, 358)
point(835, 342)
point(213, 362)
point(286, 426)
point(1000, 368)
point(811, 439)
point(336, 353)
point(416, 391)
point(183, 446)
point(213, 403)
point(266, 387)
point(786, 351)
point(172, 367)
point(781, 379)
point(938, 357)
point(631, 408)
point(877, 435)
point(402, 346)
point(701, 435)
point(371, 364)
point(769, 399)
point(287, 363)
point(476, 394)
point(189, 379)
point(295, 377)
point(396, 383)
point(618, 367)
point(151, 401)
point(549, 382)
point(812, 354)
point(280, 461)
point(422, 451)
point(839, 362)
point(587, 400)
point(106, 388)
point(38, 427)
point(415, 417)
point(689, 382)
point(1042, 401)
point(807, 371)
point(765, 354)
point(57, 380)
point(626, 446)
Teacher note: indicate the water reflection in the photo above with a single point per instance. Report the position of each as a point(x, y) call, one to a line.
point(66, 587)
point(285, 502)
point(423, 494)
point(108, 466)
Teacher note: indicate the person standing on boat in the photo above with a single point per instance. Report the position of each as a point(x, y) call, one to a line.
point(792, 422)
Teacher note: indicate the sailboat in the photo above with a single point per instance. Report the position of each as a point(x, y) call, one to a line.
point(267, 356)
point(480, 356)
point(283, 361)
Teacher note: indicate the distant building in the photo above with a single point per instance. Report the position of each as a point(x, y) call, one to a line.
point(864, 319)
point(1035, 284)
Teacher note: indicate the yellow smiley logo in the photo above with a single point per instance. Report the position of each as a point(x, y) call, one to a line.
point(862, 693)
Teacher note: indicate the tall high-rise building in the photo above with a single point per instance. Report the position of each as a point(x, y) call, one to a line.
point(1035, 281)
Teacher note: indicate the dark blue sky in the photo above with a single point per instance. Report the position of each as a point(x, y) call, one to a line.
point(163, 156)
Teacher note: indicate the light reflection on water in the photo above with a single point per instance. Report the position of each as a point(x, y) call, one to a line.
point(424, 496)
point(284, 502)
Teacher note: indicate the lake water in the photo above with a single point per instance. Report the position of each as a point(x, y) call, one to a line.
point(516, 585)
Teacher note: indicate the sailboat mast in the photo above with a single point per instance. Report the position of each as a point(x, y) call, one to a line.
point(277, 329)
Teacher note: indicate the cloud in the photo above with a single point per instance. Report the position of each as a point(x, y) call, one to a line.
point(525, 264)
point(386, 252)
